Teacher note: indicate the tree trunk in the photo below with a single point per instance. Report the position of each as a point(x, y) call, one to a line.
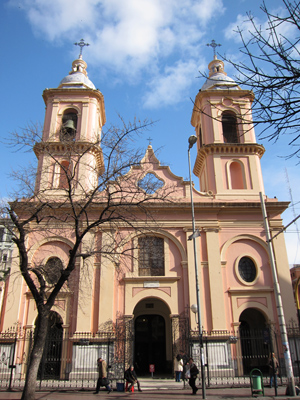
point(40, 334)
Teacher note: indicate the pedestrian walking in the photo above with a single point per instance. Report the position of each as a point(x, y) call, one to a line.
point(192, 375)
point(102, 379)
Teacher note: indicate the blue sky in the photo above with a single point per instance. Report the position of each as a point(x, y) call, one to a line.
point(145, 57)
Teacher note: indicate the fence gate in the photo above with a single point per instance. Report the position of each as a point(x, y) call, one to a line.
point(51, 359)
point(256, 348)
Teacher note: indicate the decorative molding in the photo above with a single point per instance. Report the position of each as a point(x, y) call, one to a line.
point(137, 290)
point(142, 279)
point(242, 300)
point(247, 290)
point(226, 149)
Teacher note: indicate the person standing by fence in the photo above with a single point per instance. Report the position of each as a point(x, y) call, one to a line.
point(178, 367)
point(273, 369)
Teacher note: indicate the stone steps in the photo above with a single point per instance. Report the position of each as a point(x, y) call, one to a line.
point(161, 384)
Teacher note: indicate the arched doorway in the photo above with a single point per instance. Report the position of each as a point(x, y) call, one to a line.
point(150, 343)
point(255, 340)
point(51, 359)
point(152, 338)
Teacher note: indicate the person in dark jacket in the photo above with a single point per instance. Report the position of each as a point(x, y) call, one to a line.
point(193, 372)
point(131, 377)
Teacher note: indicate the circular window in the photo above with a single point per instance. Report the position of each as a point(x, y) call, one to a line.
point(247, 269)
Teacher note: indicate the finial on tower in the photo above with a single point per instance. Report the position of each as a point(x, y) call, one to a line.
point(81, 44)
point(213, 44)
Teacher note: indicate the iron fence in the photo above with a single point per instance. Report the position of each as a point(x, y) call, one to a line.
point(70, 361)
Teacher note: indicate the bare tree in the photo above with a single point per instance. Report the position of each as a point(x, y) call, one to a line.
point(272, 71)
point(118, 201)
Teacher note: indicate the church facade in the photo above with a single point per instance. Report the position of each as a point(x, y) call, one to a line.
point(150, 299)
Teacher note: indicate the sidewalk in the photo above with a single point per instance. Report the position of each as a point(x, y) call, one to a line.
point(153, 394)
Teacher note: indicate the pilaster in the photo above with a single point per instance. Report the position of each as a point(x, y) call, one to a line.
point(85, 293)
point(106, 280)
point(218, 315)
point(192, 278)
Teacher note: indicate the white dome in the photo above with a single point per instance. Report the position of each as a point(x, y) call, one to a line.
point(218, 79)
point(78, 77)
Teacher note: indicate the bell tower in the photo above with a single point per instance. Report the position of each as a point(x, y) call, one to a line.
point(228, 157)
point(69, 153)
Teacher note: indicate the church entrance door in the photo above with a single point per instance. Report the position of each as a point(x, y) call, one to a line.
point(150, 344)
point(255, 342)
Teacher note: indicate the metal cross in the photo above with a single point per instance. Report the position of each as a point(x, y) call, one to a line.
point(149, 139)
point(81, 44)
point(213, 44)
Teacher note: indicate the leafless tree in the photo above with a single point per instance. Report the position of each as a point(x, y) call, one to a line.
point(120, 200)
point(272, 69)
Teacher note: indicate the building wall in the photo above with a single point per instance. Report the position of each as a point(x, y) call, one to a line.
point(103, 288)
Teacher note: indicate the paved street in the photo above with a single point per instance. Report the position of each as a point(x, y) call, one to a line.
point(152, 394)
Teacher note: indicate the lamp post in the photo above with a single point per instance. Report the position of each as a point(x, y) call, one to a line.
point(278, 298)
point(195, 234)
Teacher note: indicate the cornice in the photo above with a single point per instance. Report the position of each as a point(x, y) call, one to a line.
point(52, 197)
point(228, 149)
point(240, 94)
point(72, 91)
point(76, 147)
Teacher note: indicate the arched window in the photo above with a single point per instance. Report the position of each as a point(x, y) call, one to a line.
point(52, 269)
point(229, 125)
point(69, 125)
point(151, 256)
point(65, 174)
point(236, 175)
point(247, 269)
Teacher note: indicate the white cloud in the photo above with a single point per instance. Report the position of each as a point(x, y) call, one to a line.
point(206, 9)
point(56, 18)
point(172, 85)
point(132, 37)
point(243, 24)
point(261, 22)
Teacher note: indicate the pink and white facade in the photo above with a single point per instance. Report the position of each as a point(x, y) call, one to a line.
point(235, 279)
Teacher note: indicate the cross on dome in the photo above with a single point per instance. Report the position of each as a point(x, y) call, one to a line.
point(81, 44)
point(213, 44)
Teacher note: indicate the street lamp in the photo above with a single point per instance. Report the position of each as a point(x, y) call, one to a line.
point(195, 234)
